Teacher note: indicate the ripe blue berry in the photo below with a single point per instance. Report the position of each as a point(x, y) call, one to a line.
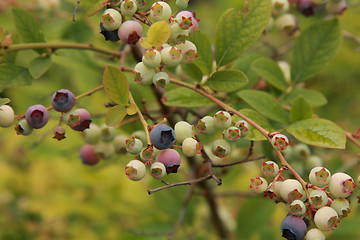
point(7, 116)
point(79, 120)
point(130, 32)
point(37, 116)
point(63, 100)
point(88, 155)
point(171, 160)
point(162, 136)
point(293, 228)
point(109, 35)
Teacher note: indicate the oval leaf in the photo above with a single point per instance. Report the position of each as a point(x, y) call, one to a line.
point(157, 35)
point(318, 132)
point(131, 109)
point(192, 71)
point(38, 66)
point(315, 47)
point(115, 115)
point(184, 97)
point(116, 85)
point(227, 80)
point(265, 104)
point(203, 44)
point(300, 110)
point(313, 97)
point(13, 75)
point(237, 30)
point(271, 72)
point(244, 64)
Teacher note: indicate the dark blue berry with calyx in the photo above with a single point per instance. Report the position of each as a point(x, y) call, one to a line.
point(162, 136)
point(109, 35)
point(63, 100)
point(293, 227)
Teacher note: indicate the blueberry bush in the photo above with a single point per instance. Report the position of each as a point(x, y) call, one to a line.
point(179, 119)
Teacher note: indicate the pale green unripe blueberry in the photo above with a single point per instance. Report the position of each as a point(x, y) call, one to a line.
point(183, 130)
point(111, 19)
point(279, 7)
point(232, 134)
point(135, 170)
point(280, 142)
point(270, 25)
point(140, 134)
point(326, 219)
point(105, 150)
point(319, 176)
point(128, 7)
point(318, 198)
point(147, 154)
point(301, 150)
point(92, 134)
point(285, 68)
point(23, 128)
point(297, 208)
point(151, 58)
point(157, 170)
point(258, 185)
point(244, 127)
point(188, 51)
point(287, 23)
point(178, 34)
point(221, 148)
point(222, 119)
point(276, 186)
point(143, 74)
point(341, 206)
point(313, 161)
point(120, 144)
point(160, 11)
point(134, 145)
point(107, 134)
point(141, 4)
point(191, 147)
point(161, 79)
point(171, 56)
point(206, 125)
point(291, 190)
point(7, 116)
point(315, 234)
point(270, 168)
point(341, 185)
point(182, 4)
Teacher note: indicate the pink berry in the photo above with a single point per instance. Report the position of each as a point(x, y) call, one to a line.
point(130, 32)
point(171, 160)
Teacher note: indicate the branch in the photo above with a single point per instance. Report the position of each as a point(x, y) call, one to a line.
point(239, 162)
point(54, 46)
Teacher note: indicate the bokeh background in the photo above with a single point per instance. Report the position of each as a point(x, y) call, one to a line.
point(47, 193)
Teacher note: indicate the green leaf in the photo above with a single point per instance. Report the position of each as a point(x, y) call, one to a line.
point(237, 30)
point(11, 56)
point(115, 115)
point(96, 7)
point(38, 66)
point(203, 44)
point(254, 134)
point(116, 85)
point(271, 72)
point(78, 31)
point(4, 101)
point(254, 212)
point(313, 97)
point(300, 110)
point(192, 71)
point(227, 80)
point(244, 64)
point(28, 27)
point(265, 104)
point(318, 132)
point(315, 47)
point(13, 75)
point(184, 97)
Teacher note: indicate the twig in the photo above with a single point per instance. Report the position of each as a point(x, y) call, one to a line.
point(76, 8)
point(142, 118)
point(239, 162)
point(351, 37)
point(190, 182)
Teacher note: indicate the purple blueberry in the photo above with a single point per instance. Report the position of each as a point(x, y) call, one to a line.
point(293, 227)
point(307, 7)
point(130, 32)
point(80, 119)
point(109, 35)
point(171, 160)
point(37, 116)
point(162, 136)
point(63, 100)
point(88, 155)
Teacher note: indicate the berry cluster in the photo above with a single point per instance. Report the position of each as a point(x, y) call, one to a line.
point(324, 201)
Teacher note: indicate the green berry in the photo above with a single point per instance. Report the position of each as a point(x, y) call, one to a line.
point(157, 170)
point(104, 150)
point(111, 19)
point(232, 134)
point(270, 168)
point(244, 127)
point(23, 128)
point(319, 176)
point(258, 185)
point(151, 58)
point(171, 56)
point(183, 130)
point(161, 79)
point(188, 51)
point(120, 144)
point(221, 148)
point(222, 119)
point(297, 208)
point(143, 74)
point(134, 145)
point(341, 206)
point(206, 125)
point(128, 7)
point(318, 199)
point(92, 134)
point(107, 134)
point(280, 142)
point(279, 7)
point(160, 11)
point(135, 170)
point(182, 4)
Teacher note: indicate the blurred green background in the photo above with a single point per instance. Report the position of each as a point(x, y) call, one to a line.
point(47, 193)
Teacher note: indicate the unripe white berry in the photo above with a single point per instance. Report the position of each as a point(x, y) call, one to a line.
point(206, 125)
point(326, 219)
point(341, 206)
point(143, 74)
point(285, 68)
point(258, 184)
point(191, 147)
point(171, 56)
point(128, 7)
point(287, 23)
point(319, 176)
point(291, 190)
point(160, 11)
point(120, 144)
point(135, 170)
point(318, 199)
point(279, 7)
point(280, 142)
point(104, 150)
point(244, 127)
point(222, 119)
point(183, 130)
point(188, 51)
point(111, 19)
point(315, 234)
point(297, 208)
point(341, 185)
point(270, 168)
point(157, 170)
point(151, 58)
point(7, 116)
point(92, 134)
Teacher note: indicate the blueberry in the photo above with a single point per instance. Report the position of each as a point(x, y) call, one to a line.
point(293, 227)
point(306, 7)
point(63, 100)
point(88, 155)
point(79, 120)
point(162, 136)
point(130, 32)
point(37, 116)
point(171, 160)
point(109, 35)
